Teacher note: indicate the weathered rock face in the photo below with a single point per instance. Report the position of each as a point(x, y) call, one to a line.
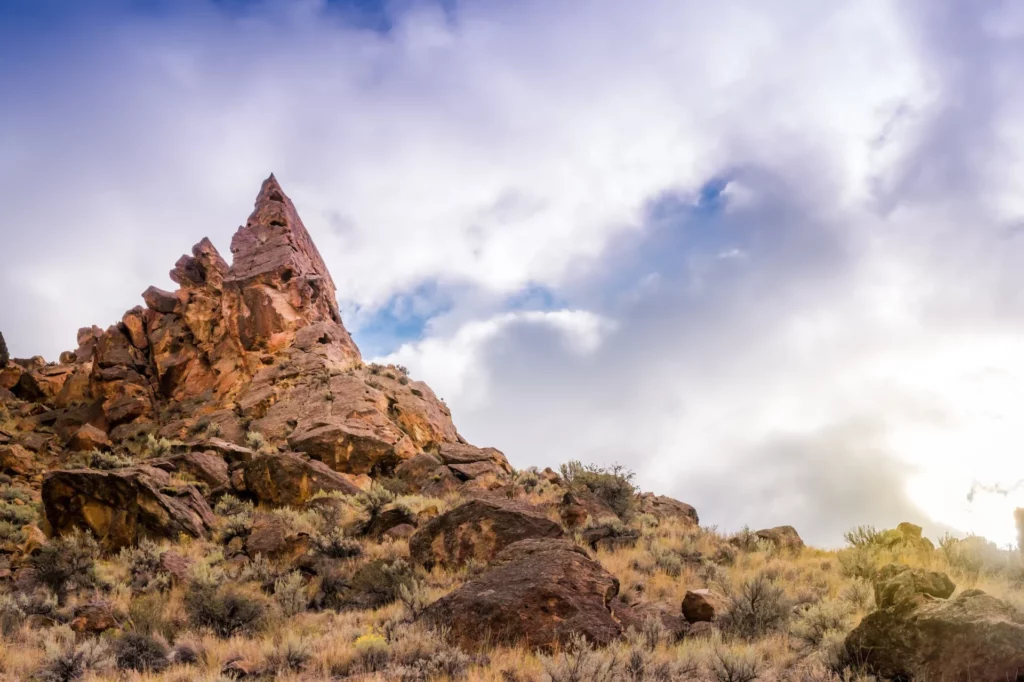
point(289, 479)
point(477, 530)
point(537, 593)
point(897, 584)
point(664, 507)
point(579, 507)
point(122, 506)
point(783, 537)
point(702, 606)
point(974, 637)
point(4, 355)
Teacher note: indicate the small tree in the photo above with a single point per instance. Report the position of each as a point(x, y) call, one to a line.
point(65, 563)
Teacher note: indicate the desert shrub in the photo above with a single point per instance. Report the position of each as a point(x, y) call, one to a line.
point(256, 441)
point(64, 564)
point(614, 484)
point(229, 505)
point(290, 594)
point(148, 616)
point(863, 536)
point(858, 593)
point(580, 662)
point(186, 653)
point(975, 556)
point(414, 598)
point(135, 651)
point(757, 608)
point(11, 615)
point(668, 561)
point(16, 512)
point(733, 664)
point(817, 621)
point(68, 662)
point(227, 611)
point(395, 485)
point(380, 582)
point(334, 544)
point(291, 655)
point(98, 459)
point(373, 502)
point(745, 540)
point(143, 562)
point(373, 652)
point(160, 447)
point(859, 562)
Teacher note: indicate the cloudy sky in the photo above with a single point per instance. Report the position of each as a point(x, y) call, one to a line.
point(768, 254)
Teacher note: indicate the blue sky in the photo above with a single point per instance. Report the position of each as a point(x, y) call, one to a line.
point(766, 254)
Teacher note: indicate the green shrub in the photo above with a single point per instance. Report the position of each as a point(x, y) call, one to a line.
point(71, 662)
point(227, 611)
point(97, 459)
point(817, 621)
point(290, 593)
point(334, 544)
point(65, 563)
point(579, 661)
point(758, 608)
point(731, 664)
point(613, 485)
point(135, 651)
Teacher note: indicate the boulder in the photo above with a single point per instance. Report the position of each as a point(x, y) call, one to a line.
point(703, 606)
point(289, 479)
point(176, 565)
point(974, 637)
point(95, 617)
point(207, 467)
point(159, 300)
point(609, 537)
point(580, 507)
point(4, 355)
point(664, 507)
point(896, 584)
point(537, 593)
point(783, 537)
point(88, 437)
point(124, 505)
point(388, 519)
point(425, 474)
point(400, 532)
point(274, 538)
point(636, 616)
point(477, 530)
point(16, 460)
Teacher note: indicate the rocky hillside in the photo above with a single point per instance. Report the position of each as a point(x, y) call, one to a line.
point(217, 487)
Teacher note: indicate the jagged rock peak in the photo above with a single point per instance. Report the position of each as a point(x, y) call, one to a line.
point(274, 248)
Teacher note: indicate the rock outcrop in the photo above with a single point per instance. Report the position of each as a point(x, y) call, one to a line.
point(4, 355)
point(663, 507)
point(974, 637)
point(289, 479)
point(477, 530)
point(783, 537)
point(537, 593)
point(120, 507)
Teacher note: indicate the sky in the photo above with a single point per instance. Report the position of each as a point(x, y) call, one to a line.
point(767, 254)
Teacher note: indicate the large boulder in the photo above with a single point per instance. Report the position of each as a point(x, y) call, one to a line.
point(783, 537)
point(537, 593)
point(663, 507)
point(120, 507)
point(580, 507)
point(974, 637)
point(703, 606)
point(478, 530)
point(289, 479)
point(896, 584)
point(424, 473)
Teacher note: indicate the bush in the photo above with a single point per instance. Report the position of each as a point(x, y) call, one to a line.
point(614, 484)
point(863, 536)
point(71, 662)
point(735, 665)
point(11, 615)
point(758, 608)
point(290, 593)
point(373, 652)
point(859, 593)
point(373, 502)
point(96, 459)
point(66, 563)
point(292, 655)
point(148, 614)
point(580, 662)
point(227, 611)
point(334, 544)
point(813, 625)
point(135, 651)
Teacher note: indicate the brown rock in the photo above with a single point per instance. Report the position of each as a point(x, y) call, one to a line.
point(352, 446)
point(207, 467)
point(664, 507)
point(121, 506)
point(95, 617)
point(703, 606)
point(288, 479)
point(274, 538)
point(477, 530)
point(388, 519)
point(425, 474)
point(400, 531)
point(783, 537)
point(16, 460)
point(33, 539)
point(536, 598)
point(896, 583)
point(974, 637)
point(88, 438)
point(175, 564)
point(579, 507)
point(455, 454)
point(159, 300)
point(4, 355)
